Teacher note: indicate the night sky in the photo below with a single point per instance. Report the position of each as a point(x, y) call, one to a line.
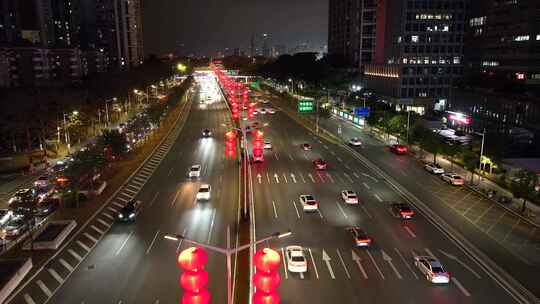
point(207, 26)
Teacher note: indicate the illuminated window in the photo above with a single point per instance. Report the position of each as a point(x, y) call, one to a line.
point(520, 76)
point(478, 21)
point(538, 37)
point(414, 38)
point(490, 63)
point(535, 76)
point(521, 38)
point(457, 60)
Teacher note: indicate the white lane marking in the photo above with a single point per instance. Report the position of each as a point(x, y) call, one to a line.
point(342, 211)
point(152, 243)
point(284, 263)
point(375, 264)
point(55, 275)
point(175, 197)
point(366, 211)
point(388, 259)
point(378, 197)
point(296, 208)
point(290, 156)
point(28, 299)
point(275, 211)
point(181, 240)
point(66, 264)
point(339, 159)
point(104, 223)
point(326, 147)
point(83, 245)
point(211, 226)
point(347, 167)
point(356, 175)
point(313, 262)
point(44, 288)
point(277, 158)
point(268, 177)
point(332, 152)
point(459, 261)
point(511, 230)
point(369, 176)
point(154, 199)
point(75, 254)
point(326, 259)
point(330, 177)
point(311, 177)
point(356, 258)
point(97, 229)
point(93, 239)
point(460, 287)
point(293, 177)
point(285, 177)
point(343, 264)
point(406, 264)
point(124, 243)
point(366, 185)
point(495, 223)
point(108, 215)
point(302, 176)
point(409, 231)
point(484, 213)
point(348, 177)
point(276, 176)
point(118, 204)
point(431, 254)
point(319, 211)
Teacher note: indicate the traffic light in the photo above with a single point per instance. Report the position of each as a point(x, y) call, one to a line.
point(305, 106)
point(194, 277)
point(266, 279)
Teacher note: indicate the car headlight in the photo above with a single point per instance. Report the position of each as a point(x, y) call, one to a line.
point(120, 215)
point(132, 215)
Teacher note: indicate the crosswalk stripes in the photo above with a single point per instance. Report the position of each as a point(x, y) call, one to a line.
point(44, 288)
point(75, 254)
point(55, 275)
point(66, 264)
point(28, 299)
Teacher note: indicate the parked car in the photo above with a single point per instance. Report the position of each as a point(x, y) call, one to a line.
point(434, 168)
point(15, 227)
point(399, 149)
point(453, 179)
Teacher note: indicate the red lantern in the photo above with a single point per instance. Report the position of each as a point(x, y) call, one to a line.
point(266, 281)
point(267, 260)
point(192, 259)
point(265, 298)
point(194, 281)
point(202, 297)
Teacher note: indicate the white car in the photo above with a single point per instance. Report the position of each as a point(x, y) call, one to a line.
point(5, 216)
point(265, 101)
point(434, 168)
point(296, 259)
point(432, 269)
point(42, 181)
point(262, 111)
point(195, 171)
point(204, 192)
point(453, 179)
point(309, 203)
point(349, 197)
point(355, 142)
point(271, 111)
point(267, 144)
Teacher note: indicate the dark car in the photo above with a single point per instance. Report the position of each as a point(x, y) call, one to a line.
point(402, 211)
point(399, 149)
point(15, 227)
point(206, 133)
point(360, 237)
point(129, 212)
point(45, 208)
point(23, 196)
point(320, 164)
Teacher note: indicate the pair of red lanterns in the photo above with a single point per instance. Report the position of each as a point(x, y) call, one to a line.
point(194, 278)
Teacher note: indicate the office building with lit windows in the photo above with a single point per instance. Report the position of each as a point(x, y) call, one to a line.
point(418, 52)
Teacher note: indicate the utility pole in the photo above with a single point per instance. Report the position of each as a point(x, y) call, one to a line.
point(481, 155)
point(408, 122)
point(317, 117)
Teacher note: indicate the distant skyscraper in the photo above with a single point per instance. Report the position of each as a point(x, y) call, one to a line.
point(266, 51)
point(19, 23)
point(280, 49)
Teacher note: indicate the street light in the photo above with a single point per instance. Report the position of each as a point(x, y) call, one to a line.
point(66, 131)
point(181, 67)
point(229, 251)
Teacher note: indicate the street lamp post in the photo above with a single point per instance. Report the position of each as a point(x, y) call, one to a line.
point(292, 85)
point(66, 134)
point(228, 252)
point(481, 155)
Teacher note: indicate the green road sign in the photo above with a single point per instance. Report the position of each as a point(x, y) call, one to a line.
point(305, 106)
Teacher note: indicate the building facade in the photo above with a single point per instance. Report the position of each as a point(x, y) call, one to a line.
point(418, 52)
point(503, 37)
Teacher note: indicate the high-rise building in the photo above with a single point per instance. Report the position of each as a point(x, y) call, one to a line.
point(19, 23)
point(503, 37)
point(418, 52)
point(266, 50)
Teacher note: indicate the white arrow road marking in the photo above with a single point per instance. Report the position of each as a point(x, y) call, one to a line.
point(409, 231)
point(268, 177)
point(275, 211)
point(303, 179)
point(285, 177)
point(341, 209)
point(296, 208)
point(330, 177)
point(259, 178)
point(375, 264)
point(388, 259)
point(459, 261)
point(378, 197)
point(366, 185)
point(284, 263)
point(358, 262)
point(406, 264)
point(326, 258)
point(313, 262)
point(348, 177)
point(460, 287)
point(293, 178)
point(124, 243)
point(311, 177)
point(343, 264)
point(276, 177)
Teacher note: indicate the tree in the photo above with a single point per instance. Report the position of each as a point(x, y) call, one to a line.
point(470, 161)
point(523, 186)
point(430, 142)
point(115, 140)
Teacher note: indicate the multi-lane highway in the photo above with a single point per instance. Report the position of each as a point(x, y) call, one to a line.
point(336, 271)
point(133, 263)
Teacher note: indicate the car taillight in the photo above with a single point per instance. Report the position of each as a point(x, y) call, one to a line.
point(407, 213)
point(364, 240)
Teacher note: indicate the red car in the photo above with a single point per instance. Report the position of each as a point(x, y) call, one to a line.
point(399, 149)
point(320, 164)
